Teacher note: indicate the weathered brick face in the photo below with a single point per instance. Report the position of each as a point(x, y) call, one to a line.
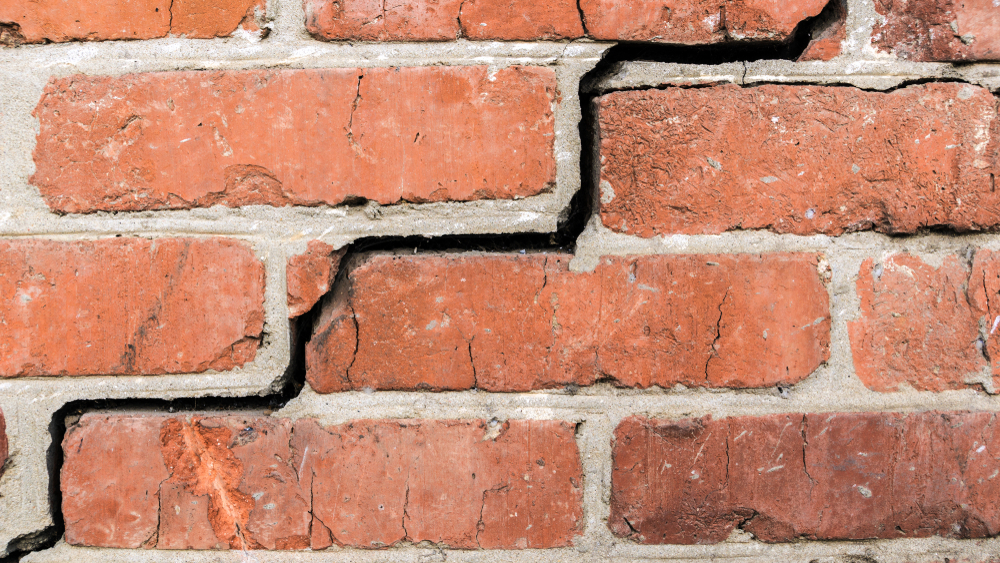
point(522, 322)
point(799, 159)
point(294, 137)
point(204, 482)
point(689, 22)
point(831, 476)
point(41, 21)
point(924, 327)
point(938, 30)
point(500, 280)
point(128, 306)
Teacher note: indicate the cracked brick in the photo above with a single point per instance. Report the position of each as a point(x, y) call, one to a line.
point(179, 140)
point(508, 322)
point(786, 477)
point(128, 306)
point(233, 482)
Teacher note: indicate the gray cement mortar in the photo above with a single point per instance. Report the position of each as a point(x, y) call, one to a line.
point(277, 233)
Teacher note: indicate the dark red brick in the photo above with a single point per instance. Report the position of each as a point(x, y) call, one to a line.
point(938, 30)
point(786, 477)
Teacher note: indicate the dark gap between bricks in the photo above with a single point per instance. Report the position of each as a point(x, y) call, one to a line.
point(571, 224)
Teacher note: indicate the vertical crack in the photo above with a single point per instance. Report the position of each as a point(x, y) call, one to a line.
point(718, 335)
point(406, 504)
point(583, 18)
point(350, 122)
point(472, 363)
point(170, 21)
point(458, 19)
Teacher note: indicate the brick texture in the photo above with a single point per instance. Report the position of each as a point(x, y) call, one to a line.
point(125, 306)
point(691, 22)
point(815, 476)
point(696, 22)
point(178, 140)
point(521, 322)
point(938, 30)
point(311, 275)
point(440, 20)
point(926, 327)
point(217, 482)
point(48, 21)
point(809, 159)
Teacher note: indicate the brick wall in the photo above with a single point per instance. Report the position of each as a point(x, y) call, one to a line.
point(316, 280)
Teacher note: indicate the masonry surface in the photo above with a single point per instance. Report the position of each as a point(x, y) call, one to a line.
point(499, 280)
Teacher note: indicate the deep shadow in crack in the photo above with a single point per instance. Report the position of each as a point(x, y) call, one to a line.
point(572, 223)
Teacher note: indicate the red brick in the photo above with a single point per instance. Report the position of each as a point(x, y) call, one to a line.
point(927, 328)
point(310, 276)
point(799, 159)
point(217, 482)
point(109, 487)
point(34, 21)
point(695, 22)
point(509, 322)
point(826, 41)
point(815, 476)
point(4, 451)
point(128, 306)
point(443, 20)
point(938, 30)
point(177, 140)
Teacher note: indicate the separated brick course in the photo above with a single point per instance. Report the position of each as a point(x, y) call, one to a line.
point(218, 482)
point(522, 322)
point(293, 281)
point(799, 159)
point(180, 140)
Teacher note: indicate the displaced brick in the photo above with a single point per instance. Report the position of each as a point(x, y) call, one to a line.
point(311, 275)
point(128, 306)
point(827, 36)
point(815, 476)
point(511, 322)
point(810, 159)
point(442, 20)
point(221, 482)
point(178, 140)
point(31, 21)
point(938, 30)
point(927, 328)
point(696, 22)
